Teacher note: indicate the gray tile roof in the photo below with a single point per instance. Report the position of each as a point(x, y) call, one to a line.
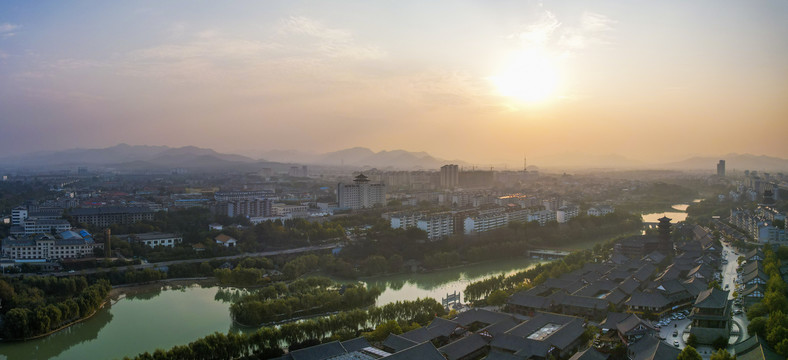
point(476, 315)
point(612, 320)
point(423, 351)
point(712, 298)
point(319, 352)
point(500, 355)
point(755, 348)
point(526, 300)
point(501, 326)
point(652, 299)
point(464, 347)
point(419, 335)
point(589, 354)
point(630, 323)
point(616, 297)
point(651, 348)
point(755, 274)
point(398, 343)
point(355, 344)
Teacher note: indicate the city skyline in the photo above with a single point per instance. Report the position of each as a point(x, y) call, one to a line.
point(459, 80)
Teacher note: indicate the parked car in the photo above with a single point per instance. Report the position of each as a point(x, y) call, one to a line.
point(676, 343)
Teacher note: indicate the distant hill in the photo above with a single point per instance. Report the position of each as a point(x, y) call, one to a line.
point(738, 162)
point(362, 157)
point(132, 157)
point(587, 161)
point(141, 157)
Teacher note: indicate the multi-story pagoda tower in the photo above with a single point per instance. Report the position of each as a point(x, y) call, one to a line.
point(665, 242)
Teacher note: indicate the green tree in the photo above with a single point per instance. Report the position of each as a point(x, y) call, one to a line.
point(497, 298)
point(689, 353)
point(722, 354)
point(714, 284)
point(692, 340)
point(720, 343)
point(382, 331)
point(782, 347)
point(757, 326)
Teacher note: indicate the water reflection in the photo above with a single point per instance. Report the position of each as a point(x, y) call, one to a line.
point(161, 316)
point(150, 294)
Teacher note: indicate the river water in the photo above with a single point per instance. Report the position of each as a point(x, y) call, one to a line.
point(676, 216)
point(169, 317)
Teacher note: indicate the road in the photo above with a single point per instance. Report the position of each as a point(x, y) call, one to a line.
point(729, 279)
point(729, 276)
point(186, 261)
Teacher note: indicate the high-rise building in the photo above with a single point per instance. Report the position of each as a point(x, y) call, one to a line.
point(360, 194)
point(721, 168)
point(449, 176)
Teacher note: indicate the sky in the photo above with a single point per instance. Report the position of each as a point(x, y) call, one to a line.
point(482, 81)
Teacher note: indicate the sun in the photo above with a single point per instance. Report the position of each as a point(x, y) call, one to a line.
point(530, 77)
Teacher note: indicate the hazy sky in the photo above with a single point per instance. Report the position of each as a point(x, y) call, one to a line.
point(485, 81)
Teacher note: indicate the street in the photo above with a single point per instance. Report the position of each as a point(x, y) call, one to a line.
point(147, 265)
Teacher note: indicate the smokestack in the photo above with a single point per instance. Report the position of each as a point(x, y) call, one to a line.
point(107, 245)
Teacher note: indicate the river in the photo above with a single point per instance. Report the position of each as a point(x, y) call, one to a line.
point(676, 216)
point(177, 316)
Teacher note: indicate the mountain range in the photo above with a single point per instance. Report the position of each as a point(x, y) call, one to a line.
point(142, 157)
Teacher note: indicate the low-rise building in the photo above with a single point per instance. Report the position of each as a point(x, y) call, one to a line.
point(32, 226)
point(225, 240)
point(566, 213)
point(154, 239)
point(600, 210)
point(108, 215)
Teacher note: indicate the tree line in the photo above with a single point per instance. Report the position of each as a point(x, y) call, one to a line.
point(36, 305)
point(302, 297)
point(769, 317)
point(268, 342)
point(501, 287)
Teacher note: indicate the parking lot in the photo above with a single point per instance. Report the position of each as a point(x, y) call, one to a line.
point(672, 331)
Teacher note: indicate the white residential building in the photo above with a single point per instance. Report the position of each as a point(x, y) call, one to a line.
point(542, 217)
point(361, 194)
point(436, 225)
point(18, 214)
point(32, 226)
point(284, 210)
point(493, 219)
point(566, 213)
point(66, 245)
point(600, 210)
point(404, 220)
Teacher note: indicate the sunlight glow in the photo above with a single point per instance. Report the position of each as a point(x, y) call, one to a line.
point(530, 76)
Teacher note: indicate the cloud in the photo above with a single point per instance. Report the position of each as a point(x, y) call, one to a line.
point(540, 32)
point(8, 30)
point(564, 37)
point(595, 22)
